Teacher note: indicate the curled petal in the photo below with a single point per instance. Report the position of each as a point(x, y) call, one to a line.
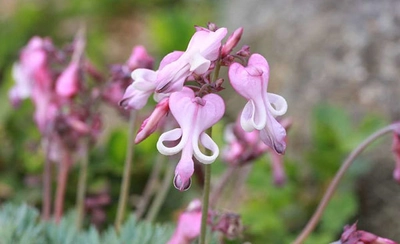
point(210, 145)
point(253, 116)
point(172, 135)
point(280, 104)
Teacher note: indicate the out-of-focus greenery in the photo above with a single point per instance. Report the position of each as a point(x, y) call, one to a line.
point(270, 214)
point(275, 215)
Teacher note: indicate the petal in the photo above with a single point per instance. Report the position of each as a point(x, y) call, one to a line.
point(207, 43)
point(172, 76)
point(209, 144)
point(134, 99)
point(171, 136)
point(169, 58)
point(67, 84)
point(246, 85)
point(144, 79)
point(211, 112)
point(273, 135)
point(198, 64)
point(254, 116)
point(280, 104)
point(184, 170)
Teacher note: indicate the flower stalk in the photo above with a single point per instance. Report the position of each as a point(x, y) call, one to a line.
point(80, 203)
point(161, 195)
point(124, 192)
point(62, 180)
point(46, 202)
point(312, 223)
point(206, 196)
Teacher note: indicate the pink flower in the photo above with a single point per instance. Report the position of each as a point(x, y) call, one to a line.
point(150, 124)
point(194, 115)
point(353, 236)
point(259, 113)
point(203, 48)
point(139, 59)
point(67, 84)
point(189, 223)
point(144, 84)
point(137, 94)
point(31, 69)
point(396, 152)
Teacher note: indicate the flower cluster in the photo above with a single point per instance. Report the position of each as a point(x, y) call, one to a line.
point(54, 80)
point(186, 85)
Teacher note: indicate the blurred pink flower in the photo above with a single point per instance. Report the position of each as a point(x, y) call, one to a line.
point(396, 153)
point(189, 223)
point(67, 84)
point(353, 236)
point(31, 69)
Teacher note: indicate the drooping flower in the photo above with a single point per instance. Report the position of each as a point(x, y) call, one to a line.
point(194, 115)
point(259, 113)
point(203, 48)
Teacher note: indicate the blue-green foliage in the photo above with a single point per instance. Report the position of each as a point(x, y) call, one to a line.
point(22, 224)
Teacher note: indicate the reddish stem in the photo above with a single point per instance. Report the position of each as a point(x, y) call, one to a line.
point(61, 185)
point(46, 205)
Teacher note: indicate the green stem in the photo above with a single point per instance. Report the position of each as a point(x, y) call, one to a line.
point(161, 195)
point(62, 179)
point(80, 202)
point(312, 223)
point(150, 186)
point(223, 180)
point(216, 70)
point(206, 197)
point(205, 203)
point(46, 205)
point(124, 192)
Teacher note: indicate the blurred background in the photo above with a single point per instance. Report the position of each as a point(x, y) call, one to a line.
point(336, 62)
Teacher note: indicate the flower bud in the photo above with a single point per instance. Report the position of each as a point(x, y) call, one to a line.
point(231, 42)
point(67, 84)
point(150, 124)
